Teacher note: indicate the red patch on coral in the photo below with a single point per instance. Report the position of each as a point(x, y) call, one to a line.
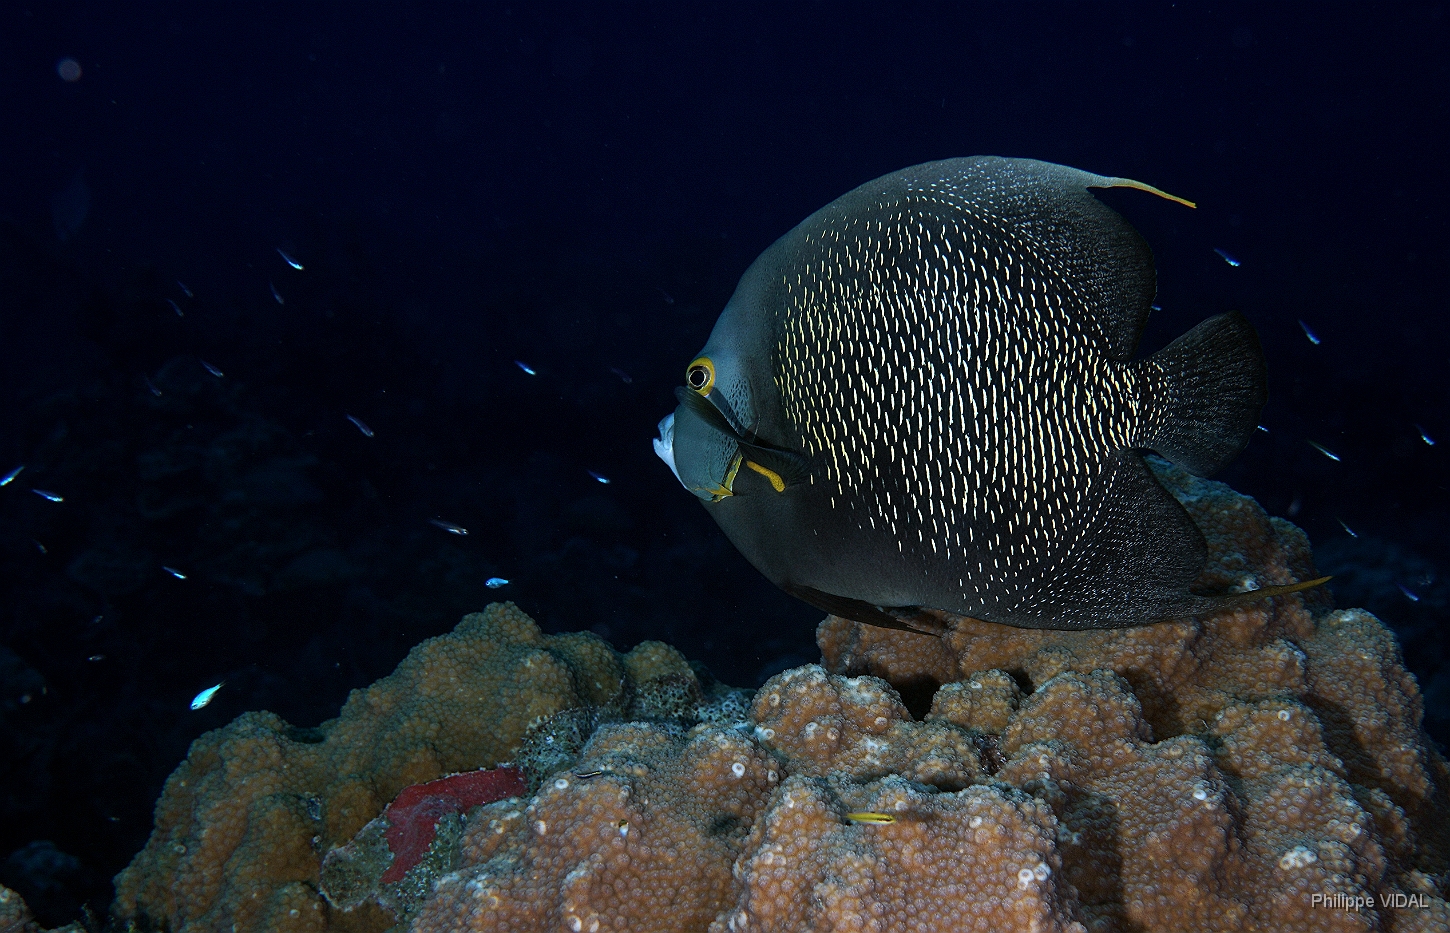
point(413, 816)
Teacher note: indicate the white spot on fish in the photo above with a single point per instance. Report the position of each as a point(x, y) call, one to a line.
point(494, 583)
point(357, 423)
point(46, 494)
point(1226, 257)
point(174, 572)
point(448, 526)
point(9, 477)
point(525, 367)
point(204, 697)
point(289, 260)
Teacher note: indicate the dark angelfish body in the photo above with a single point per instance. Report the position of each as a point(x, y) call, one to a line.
point(924, 396)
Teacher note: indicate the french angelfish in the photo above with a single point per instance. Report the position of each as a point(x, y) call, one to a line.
point(925, 396)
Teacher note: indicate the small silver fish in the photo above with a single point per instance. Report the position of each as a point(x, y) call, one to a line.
point(204, 697)
point(1423, 436)
point(212, 369)
point(367, 431)
point(174, 572)
point(175, 307)
point(1325, 451)
point(1411, 596)
point(39, 547)
point(494, 583)
point(184, 290)
point(1348, 530)
point(1309, 333)
point(1226, 257)
point(8, 478)
point(152, 386)
point(525, 367)
point(96, 657)
point(48, 495)
point(1262, 428)
point(623, 376)
point(289, 260)
point(276, 294)
point(599, 477)
point(448, 526)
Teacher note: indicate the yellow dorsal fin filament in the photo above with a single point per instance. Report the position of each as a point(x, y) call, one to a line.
point(870, 816)
point(1130, 183)
point(769, 474)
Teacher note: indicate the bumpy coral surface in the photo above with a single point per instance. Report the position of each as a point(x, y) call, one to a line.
point(243, 824)
point(1260, 768)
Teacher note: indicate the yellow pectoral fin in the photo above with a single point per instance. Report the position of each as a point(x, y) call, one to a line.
point(774, 477)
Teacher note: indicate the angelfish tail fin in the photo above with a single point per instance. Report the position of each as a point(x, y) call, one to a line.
point(1205, 392)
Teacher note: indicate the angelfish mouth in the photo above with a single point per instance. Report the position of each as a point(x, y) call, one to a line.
point(665, 445)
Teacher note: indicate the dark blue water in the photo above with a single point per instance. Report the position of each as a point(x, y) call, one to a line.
point(578, 188)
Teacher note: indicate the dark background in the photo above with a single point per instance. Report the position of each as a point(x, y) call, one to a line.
point(578, 187)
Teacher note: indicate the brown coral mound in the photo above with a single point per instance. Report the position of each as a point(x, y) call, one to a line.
point(243, 824)
point(1261, 768)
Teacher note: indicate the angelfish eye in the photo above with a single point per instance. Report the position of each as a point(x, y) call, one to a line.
point(701, 375)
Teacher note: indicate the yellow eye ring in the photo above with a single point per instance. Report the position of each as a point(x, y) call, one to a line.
point(700, 375)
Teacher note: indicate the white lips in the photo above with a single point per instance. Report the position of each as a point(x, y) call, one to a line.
point(665, 444)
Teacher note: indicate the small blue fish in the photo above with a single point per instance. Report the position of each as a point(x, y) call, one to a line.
point(152, 386)
point(212, 369)
point(494, 583)
point(39, 547)
point(48, 495)
point(525, 367)
point(1325, 451)
point(8, 478)
point(367, 431)
point(289, 260)
point(1309, 333)
point(276, 294)
point(204, 697)
point(1348, 530)
point(174, 572)
point(175, 307)
point(623, 376)
point(1156, 307)
point(1264, 429)
point(1226, 257)
point(599, 477)
point(669, 299)
point(184, 290)
point(96, 657)
point(1423, 436)
point(1411, 596)
point(448, 526)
